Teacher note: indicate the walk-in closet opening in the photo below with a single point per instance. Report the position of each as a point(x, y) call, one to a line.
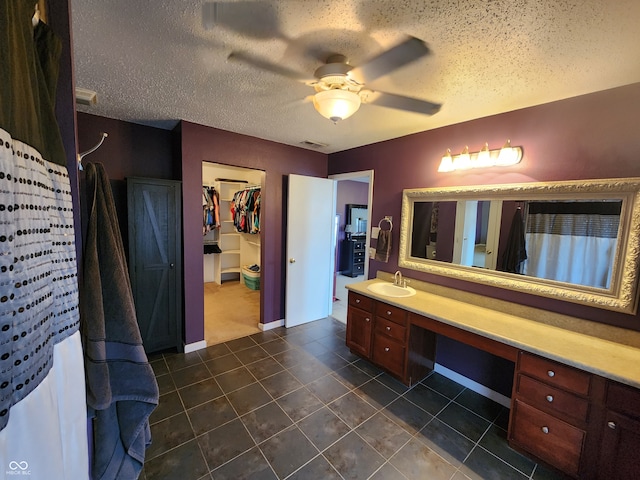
point(231, 199)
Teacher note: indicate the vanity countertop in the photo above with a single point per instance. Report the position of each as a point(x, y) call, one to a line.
point(610, 352)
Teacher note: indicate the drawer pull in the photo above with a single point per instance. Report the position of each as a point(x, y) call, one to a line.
point(388, 329)
point(549, 398)
point(367, 319)
point(388, 312)
point(386, 349)
point(551, 373)
point(611, 425)
point(357, 300)
point(545, 430)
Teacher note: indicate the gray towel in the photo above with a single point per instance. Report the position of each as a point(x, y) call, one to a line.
point(121, 386)
point(383, 247)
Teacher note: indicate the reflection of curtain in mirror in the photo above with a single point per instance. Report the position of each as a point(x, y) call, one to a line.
point(572, 242)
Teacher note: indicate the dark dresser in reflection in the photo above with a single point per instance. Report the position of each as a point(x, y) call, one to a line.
point(352, 255)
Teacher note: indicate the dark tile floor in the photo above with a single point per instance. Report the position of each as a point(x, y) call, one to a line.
point(296, 404)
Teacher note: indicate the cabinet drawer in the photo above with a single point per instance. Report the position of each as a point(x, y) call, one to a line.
point(359, 254)
point(552, 399)
point(388, 353)
point(360, 301)
point(547, 437)
point(389, 312)
point(358, 246)
point(553, 373)
point(391, 329)
point(623, 399)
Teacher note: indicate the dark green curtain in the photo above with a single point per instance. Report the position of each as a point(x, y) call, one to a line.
point(29, 59)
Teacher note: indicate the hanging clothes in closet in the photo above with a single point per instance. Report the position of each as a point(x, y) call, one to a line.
point(211, 209)
point(245, 210)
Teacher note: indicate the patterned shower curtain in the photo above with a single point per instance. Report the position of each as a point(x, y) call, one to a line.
point(42, 390)
point(584, 235)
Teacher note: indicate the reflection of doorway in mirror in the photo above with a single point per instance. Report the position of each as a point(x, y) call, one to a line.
point(477, 232)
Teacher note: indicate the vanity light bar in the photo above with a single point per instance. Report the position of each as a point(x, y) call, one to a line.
point(503, 157)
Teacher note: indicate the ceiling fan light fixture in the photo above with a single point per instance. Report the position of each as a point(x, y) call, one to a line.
point(336, 104)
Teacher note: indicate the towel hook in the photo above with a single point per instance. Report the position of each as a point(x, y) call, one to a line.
point(91, 150)
point(387, 219)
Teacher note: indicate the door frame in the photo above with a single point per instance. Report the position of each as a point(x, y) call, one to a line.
point(351, 176)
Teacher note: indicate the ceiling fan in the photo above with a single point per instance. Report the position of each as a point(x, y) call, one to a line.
point(341, 88)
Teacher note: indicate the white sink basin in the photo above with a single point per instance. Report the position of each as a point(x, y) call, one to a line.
point(391, 290)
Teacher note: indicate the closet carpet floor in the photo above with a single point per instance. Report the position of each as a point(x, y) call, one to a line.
point(231, 311)
point(296, 404)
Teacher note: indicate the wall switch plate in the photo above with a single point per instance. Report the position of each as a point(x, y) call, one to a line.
point(372, 252)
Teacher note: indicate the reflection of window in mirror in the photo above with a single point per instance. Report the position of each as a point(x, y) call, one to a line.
point(356, 223)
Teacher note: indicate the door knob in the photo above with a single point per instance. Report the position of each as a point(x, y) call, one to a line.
point(292, 260)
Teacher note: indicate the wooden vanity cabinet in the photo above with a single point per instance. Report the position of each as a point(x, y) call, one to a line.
point(550, 411)
point(379, 332)
point(389, 338)
point(582, 424)
point(620, 443)
point(360, 324)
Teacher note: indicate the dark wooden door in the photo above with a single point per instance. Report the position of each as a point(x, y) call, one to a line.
point(620, 450)
point(155, 265)
point(359, 331)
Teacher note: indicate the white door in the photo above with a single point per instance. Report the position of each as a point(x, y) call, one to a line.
point(310, 258)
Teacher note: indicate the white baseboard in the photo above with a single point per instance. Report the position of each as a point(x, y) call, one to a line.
point(192, 347)
point(471, 385)
point(271, 325)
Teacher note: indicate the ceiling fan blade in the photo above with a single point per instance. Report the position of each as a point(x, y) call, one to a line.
point(402, 54)
point(400, 102)
point(268, 66)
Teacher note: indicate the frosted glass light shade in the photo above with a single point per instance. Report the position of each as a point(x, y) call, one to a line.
point(484, 158)
point(336, 104)
point(463, 161)
point(446, 164)
point(509, 155)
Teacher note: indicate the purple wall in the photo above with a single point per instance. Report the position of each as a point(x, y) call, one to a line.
point(590, 136)
point(199, 143)
point(130, 150)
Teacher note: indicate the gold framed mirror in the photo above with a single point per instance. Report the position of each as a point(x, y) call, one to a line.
point(577, 241)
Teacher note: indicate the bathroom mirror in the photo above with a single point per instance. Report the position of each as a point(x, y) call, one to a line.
point(577, 241)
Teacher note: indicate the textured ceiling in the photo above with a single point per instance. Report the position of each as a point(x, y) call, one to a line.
point(153, 62)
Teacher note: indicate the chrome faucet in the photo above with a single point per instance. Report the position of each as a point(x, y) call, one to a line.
point(397, 278)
